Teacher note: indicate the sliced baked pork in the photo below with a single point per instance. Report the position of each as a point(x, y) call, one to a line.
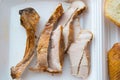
point(43, 44)
point(79, 54)
point(56, 54)
point(76, 28)
point(67, 19)
point(29, 19)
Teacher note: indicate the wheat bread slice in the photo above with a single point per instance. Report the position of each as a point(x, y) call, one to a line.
point(112, 11)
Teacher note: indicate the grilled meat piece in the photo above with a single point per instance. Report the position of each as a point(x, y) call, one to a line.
point(56, 54)
point(44, 41)
point(79, 54)
point(67, 19)
point(29, 19)
point(76, 28)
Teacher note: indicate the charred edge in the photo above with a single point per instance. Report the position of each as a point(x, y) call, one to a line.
point(62, 46)
point(54, 72)
point(82, 10)
point(29, 10)
point(56, 15)
point(36, 69)
point(13, 75)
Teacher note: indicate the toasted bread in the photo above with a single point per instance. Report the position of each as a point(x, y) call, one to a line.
point(112, 11)
point(114, 62)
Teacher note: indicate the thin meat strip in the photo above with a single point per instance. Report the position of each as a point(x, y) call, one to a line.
point(79, 54)
point(29, 19)
point(76, 8)
point(56, 54)
point(44, 41)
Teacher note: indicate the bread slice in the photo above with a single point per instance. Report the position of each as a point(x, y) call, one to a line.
point(112, 11)
point(114, 62)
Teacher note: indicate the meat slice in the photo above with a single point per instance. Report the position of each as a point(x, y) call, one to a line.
point(114, 62)
point(79, 54)
point(84, 67)
point(56, 54)
point(76, 28)
point(74, 10)
point(29, 19)
point(43, 44)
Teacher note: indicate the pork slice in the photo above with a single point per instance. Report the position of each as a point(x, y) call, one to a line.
point(56, 54)
point(66, 16)
point(76, 28)
point(29, 19)
point(79, 54)
point(43, 44)
point(84, 68)
point(68, 35)
point(75, 53)
point(67, 19)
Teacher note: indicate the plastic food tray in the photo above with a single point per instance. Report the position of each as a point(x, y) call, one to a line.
point(13, 37)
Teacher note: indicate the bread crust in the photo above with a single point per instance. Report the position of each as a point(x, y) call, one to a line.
point(108, 16)
point(114, 62)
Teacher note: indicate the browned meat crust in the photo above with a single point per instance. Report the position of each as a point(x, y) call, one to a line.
point(67, 19)
point(43, 44)
point(29, 19)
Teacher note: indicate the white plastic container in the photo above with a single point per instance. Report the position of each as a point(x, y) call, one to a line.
point(13, 37)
